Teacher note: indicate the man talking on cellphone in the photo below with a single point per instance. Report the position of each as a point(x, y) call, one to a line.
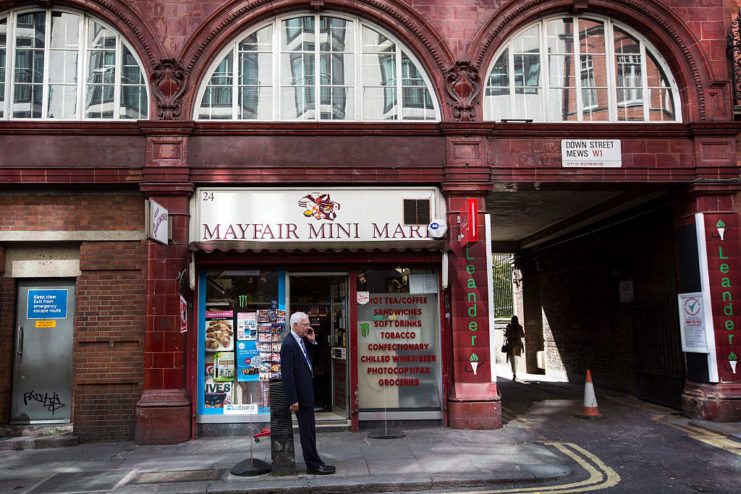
point(298, 383)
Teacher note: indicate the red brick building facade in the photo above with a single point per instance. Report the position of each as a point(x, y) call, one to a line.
point(233, 116)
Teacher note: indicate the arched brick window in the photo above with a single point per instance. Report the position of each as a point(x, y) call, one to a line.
point(316, 67)
point(580, 69)
point(58, 64)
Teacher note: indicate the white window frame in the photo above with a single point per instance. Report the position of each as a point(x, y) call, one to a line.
point(357, 86)
point(82, 85)
point(611, 67)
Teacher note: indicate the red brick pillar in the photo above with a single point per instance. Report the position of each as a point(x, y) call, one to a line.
point(163, 413)
point(709, 274)
point(473, 401)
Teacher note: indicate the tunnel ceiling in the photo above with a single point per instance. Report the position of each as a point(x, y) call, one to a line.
point(523, 217)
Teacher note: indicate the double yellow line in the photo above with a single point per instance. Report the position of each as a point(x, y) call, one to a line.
point(600, 475)
point(704, 436)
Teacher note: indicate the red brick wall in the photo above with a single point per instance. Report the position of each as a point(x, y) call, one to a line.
point(108, 361)
point(109, 340)
point(71, 212)
point(644, 159)
point(457, 23)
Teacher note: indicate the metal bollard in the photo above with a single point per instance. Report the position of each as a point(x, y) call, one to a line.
point(281, 432)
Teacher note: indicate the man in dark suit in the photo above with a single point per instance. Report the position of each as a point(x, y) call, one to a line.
point(296, 368)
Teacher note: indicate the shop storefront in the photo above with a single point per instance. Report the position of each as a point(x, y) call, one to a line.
point(362, 263)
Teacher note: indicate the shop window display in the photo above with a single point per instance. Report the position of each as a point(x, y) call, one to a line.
point(243, 327)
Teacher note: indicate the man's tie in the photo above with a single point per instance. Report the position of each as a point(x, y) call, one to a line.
point(306, 355)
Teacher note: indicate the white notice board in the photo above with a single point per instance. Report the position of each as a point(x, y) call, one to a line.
point(692, 323)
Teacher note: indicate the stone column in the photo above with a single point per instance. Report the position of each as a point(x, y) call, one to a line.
point(709, 264)
point(163, 413)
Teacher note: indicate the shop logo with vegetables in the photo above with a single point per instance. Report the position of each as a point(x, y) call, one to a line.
point(319, 206)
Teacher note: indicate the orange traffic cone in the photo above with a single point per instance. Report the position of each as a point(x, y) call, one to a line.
point(590, 410)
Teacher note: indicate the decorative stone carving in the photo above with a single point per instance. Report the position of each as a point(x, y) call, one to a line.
point(464, 85)
point(733, 40)
point(168, 86)
point(317, 5)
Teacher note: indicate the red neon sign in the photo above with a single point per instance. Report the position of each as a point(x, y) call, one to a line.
point(470, 223)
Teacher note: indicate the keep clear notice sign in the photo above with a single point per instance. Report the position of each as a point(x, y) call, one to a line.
point(47, 304)
point(591, 153)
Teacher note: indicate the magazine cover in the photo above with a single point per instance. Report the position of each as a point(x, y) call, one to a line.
point(217, 394)
point(224, 366)
point(246, 326)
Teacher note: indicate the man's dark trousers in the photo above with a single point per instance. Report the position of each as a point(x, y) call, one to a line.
point(307, 434)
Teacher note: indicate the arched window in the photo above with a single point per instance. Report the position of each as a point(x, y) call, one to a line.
point(62, 65)
point(316, 67)
point(580, 69)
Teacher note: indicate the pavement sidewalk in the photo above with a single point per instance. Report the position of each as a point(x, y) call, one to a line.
point(425, 459)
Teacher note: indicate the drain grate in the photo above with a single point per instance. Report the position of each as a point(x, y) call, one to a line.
point(79, 482)
point(178, 476)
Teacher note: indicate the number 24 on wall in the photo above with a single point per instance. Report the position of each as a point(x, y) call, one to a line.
point(208, 196)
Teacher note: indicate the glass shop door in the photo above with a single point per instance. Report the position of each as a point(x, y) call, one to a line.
point(323, 297)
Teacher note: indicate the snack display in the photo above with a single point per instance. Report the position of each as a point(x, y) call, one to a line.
point(219, 331)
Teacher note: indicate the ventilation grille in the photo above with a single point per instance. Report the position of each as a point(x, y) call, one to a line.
point(416, 211)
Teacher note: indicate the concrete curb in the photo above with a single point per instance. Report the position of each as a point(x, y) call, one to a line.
point(38, 442)
point(357, 484)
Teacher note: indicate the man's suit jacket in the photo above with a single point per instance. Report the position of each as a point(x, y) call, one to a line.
point(297, 377)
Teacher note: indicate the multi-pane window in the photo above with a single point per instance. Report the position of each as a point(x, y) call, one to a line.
point(64, 65)
point(316, 67)
point(579, 69)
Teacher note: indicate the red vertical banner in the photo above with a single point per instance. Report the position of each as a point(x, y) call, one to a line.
point(470, 223)
point(472, 359)
point(724, 274)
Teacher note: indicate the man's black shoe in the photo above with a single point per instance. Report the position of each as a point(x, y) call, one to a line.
point(321, 470)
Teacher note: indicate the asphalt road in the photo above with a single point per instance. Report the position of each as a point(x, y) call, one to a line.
point(638, 447)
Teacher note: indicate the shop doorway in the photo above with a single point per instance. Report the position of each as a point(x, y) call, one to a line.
point(42, 361)
point(323, 297)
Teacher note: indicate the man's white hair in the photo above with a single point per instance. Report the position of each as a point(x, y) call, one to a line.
point(296, 317)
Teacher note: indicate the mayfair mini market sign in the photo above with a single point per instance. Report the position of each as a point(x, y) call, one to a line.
point(313, 215)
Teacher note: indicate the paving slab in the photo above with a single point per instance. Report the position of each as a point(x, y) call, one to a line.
point(424, 460)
